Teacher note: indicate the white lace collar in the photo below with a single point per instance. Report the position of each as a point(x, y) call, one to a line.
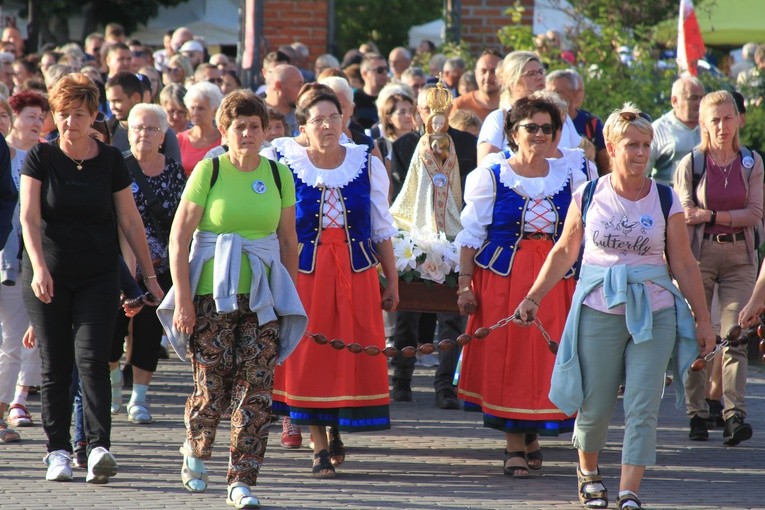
point(295, 156)
point(533, 187)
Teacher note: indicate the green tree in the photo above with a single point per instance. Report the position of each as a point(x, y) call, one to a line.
point(596, 39)
point(385, 23)
point(50, 17)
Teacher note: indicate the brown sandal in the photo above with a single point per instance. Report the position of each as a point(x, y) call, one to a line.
point(597, 498)
point(8, 435)
point(517, 472)
point(336, 447)
point(323, 464)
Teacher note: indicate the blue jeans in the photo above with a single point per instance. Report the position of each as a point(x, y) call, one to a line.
point(75, 391)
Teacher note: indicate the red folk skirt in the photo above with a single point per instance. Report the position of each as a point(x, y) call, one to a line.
point(507, 374)
point(323, 386)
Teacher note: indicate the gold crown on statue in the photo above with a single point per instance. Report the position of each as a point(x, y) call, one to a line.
point(439, 98)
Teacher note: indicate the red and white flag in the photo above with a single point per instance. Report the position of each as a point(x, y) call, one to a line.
point(690, 45)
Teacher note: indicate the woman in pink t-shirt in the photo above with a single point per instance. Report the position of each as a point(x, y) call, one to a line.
point(202, 100)
point(627, 318)
point(720, 186)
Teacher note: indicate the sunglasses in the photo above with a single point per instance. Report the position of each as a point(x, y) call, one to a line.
point(630, 116)
point(216, 81)
point(533, 128)
point(139, 54)
point(381, 70)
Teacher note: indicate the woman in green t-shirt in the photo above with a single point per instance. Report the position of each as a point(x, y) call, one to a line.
point(232, 354)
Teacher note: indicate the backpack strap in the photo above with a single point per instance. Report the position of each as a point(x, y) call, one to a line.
point(589, 191)
point(274, 172)
point(215, 171)
point(746, 154)
point(698, 169)
point(277, 177)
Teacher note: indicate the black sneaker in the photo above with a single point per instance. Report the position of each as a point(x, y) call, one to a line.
point(699, 431)
point(402, 391)
point(447, 399)
point(736, 430)
point(715, 419)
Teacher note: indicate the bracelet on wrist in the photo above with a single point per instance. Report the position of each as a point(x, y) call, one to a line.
point(152, 277)
point(529, 298)
point(469, 275)
point(713, 218)
point(464, 289)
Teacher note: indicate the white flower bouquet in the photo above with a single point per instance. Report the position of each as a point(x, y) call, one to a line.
point(423, 255)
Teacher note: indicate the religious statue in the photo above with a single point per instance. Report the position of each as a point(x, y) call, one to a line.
point(431, 196)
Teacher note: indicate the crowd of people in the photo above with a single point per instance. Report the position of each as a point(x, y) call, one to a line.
point(147, 195)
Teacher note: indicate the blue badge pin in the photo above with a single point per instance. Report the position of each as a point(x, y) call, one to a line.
point(747, 161)
point(439, 180)
point(134, 187)
point(259, 187)
point(646, 221)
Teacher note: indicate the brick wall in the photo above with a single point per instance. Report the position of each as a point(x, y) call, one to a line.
point(297, 20)
point(482, 18)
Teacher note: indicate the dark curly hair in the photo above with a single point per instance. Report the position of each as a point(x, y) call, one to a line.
point(525, 108)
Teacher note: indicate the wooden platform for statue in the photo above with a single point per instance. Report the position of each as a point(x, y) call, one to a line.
point(427, 297)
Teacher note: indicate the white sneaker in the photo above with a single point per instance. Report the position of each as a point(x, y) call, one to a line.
point(101, 465)
point(58, 466)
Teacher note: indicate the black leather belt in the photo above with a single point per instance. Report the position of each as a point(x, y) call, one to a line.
point(725, 238)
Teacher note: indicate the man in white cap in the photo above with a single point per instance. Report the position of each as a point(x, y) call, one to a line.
point(194, 51)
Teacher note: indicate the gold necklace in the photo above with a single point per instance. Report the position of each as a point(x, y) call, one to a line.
point(78, 163)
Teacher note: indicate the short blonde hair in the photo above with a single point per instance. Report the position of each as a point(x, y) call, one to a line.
point(616, 125)
point(709, 101)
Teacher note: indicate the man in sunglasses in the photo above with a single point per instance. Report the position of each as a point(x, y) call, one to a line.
point(676, 132)
point(374, 74)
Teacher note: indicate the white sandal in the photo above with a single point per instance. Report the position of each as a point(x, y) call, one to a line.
point(188, 474)
point(243, 497)
point(138, 412)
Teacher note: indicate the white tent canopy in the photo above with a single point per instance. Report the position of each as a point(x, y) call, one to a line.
point(217, 21)
point(432, 31)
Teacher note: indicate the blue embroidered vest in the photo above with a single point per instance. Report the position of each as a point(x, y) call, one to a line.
point(355, 197)
point(504, 233)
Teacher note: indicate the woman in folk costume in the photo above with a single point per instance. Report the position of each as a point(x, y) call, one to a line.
point(344, 230)
point(514, 212)
point(430, 201)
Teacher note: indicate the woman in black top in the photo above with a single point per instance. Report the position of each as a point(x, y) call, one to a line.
point(74, 192)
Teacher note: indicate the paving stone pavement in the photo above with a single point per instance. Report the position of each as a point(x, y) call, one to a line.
point(430, 459)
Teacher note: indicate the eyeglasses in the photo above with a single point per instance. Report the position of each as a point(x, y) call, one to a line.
point(533, 128)
point(402, 112)
point(174, 69)
point(534, 72)
point(149, 130)
point(381, 69)
point(321, 121)
point(630, 116)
